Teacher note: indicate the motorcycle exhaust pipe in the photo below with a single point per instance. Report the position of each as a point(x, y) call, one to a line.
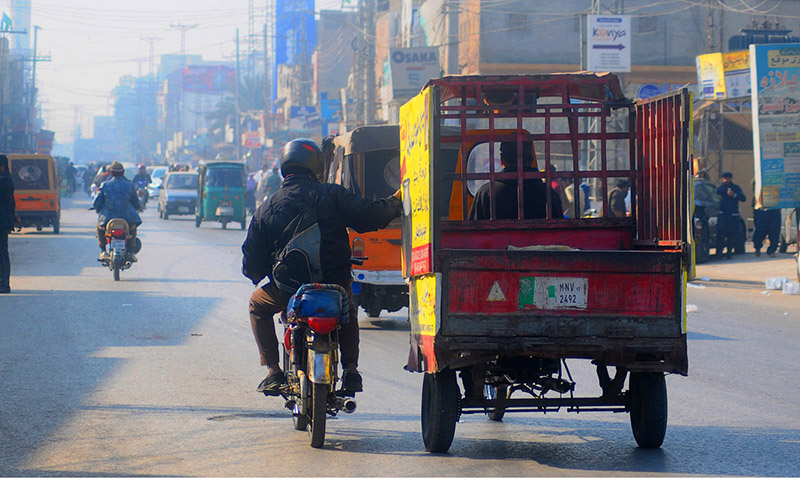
point(347, 405)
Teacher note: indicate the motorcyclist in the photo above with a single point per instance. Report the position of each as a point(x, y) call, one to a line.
point(337, 209)
point(142, 179)
point(117, 198)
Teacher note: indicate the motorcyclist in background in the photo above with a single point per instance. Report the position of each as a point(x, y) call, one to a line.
point(141, 180)
point(337, 209)
point(117, 198)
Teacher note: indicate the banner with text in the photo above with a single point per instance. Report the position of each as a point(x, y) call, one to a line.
point(774, 72)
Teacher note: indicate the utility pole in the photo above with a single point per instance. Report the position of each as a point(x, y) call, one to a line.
point(183, 28)
point(365, 79)
point(237, 133)
point(151, 41)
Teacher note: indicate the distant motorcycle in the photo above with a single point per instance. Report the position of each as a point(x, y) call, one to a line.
point(141, 192)
point(311, 355)
point(118, 256)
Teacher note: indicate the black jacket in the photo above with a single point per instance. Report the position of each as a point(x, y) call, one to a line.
point(505, 194)
point(337, 209)
point(7, 204)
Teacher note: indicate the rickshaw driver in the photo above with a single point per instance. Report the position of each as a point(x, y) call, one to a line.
point(337, 209)
point(505, 190)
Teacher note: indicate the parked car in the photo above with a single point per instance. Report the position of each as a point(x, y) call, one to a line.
point(178, 194)
point(706, 201)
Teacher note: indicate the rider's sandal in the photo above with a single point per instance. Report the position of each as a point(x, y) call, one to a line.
point(271, 385)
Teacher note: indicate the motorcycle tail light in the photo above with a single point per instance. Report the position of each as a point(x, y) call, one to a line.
point(287, 339)
point(118, 233)
point(322, 325)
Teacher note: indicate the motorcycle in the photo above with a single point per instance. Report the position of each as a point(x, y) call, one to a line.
point(311, 355)
point(118, 256)
point(141, 191)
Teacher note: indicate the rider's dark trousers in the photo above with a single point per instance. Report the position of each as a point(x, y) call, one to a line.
point(269, 300)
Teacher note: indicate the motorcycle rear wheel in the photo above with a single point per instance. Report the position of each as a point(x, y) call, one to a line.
point(319, 412)
point(116, 272)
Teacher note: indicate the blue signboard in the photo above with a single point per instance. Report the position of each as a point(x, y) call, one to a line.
point(774, 74)
point(295, 35)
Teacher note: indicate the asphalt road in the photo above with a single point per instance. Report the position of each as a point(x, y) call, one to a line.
point(156, 375)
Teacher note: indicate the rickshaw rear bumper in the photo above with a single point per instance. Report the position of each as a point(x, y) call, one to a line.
point(663, 354)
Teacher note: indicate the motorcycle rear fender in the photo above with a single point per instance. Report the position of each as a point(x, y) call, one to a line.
point(320, 367)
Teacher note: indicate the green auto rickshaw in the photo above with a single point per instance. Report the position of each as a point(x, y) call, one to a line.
point(221, 193)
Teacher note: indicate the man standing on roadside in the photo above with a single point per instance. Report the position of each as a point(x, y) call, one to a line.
point(728, 218)
point(8, 218)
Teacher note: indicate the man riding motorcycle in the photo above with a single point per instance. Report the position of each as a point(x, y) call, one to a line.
point(141, 180)
point(117, 198)
point(336, 209)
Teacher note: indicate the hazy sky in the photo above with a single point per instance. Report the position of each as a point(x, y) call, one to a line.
point(92, 43)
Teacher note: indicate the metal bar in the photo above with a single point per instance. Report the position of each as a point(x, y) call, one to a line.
point(520, 159)
point(543, 402)
point(463, 141)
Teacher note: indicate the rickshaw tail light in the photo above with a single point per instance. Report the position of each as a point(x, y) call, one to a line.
point(322, 325)
point(358, 248)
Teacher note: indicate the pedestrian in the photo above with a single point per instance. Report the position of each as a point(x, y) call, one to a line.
point(616, 199)
point(70, 174)
point(8, 218)
point(728, 218)
point(768, 224)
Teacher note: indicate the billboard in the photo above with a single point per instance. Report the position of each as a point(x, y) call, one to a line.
point(711, 76)
point(609, 43)
point(774, 73)
point(411, 68)
point(208, 79)
point(736, 68)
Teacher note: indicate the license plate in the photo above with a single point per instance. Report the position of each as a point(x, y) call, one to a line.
point(183, 209)
point(117, 244)
point(548, 292)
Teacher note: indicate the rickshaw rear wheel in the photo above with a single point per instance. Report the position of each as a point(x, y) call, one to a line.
point(440, 397)
point(648, 405)
point(496, 392)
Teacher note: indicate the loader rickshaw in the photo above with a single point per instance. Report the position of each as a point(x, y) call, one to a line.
point(500, 308)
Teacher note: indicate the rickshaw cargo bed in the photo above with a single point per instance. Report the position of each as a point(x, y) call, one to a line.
point(493, 293)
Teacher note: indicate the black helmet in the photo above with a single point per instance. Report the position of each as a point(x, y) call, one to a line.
point(302, 153)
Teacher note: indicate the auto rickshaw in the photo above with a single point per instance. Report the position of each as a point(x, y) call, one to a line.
point(507, 305)
point(37, 190)
point(221, 193)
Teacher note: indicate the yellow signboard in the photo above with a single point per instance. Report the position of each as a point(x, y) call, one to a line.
point(416, 171)
point(735, 61)
point(711, 76)
point(424, 304)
